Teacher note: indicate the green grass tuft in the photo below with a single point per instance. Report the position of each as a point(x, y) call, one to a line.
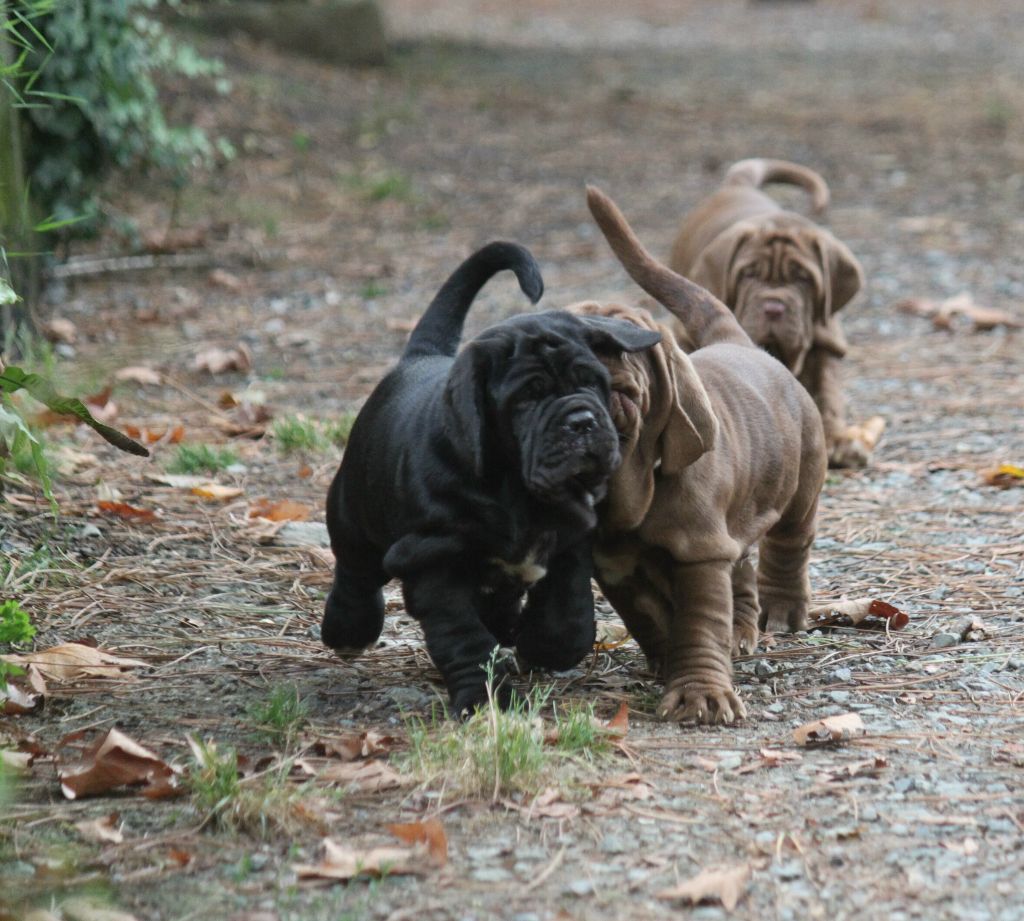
point(297, 433)
point(201, 459)
point(281, 717)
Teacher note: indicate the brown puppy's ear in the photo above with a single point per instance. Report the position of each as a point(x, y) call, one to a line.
point(714, 267)
point(842, 276)
point(692, 426)
point(465, 405)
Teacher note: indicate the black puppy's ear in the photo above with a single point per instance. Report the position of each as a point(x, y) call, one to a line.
point(465, 405)
point(604, 334)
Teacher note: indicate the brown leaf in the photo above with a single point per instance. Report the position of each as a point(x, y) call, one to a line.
point(222, 279)
point(178, 480)
point(70, 661)
point(173, 240)
point(610, 636)
point(944, 314)
point(726, 885)
point(138, 374)
point(217, 360)
point(285, 510)
point(343, 862)
point(430, 831)
point(839, 728)
point(355, 776)
point(870, 767)
point(850, 612)
point(352, 746)
point(117, 761)
point(126, 511)
point(103, 830)
point(16, 701)
point(619, 724)
point(179, 857)
point(59, 329)
point(1004, 476)
point(216, 492)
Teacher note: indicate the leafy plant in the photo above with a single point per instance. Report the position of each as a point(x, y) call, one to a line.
point(339, 430)
point(15, 627)
point(201, 459)
point(92, 101)
point(297, 433)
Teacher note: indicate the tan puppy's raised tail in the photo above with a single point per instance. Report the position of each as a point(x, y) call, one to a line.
point(707, 319)
point(757, 171)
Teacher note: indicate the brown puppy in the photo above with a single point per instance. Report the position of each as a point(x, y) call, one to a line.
point(722, 450)
point(784, 277)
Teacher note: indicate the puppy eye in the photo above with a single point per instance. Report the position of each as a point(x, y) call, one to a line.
point(532, 390)
point(749, 271)
point(799, 273)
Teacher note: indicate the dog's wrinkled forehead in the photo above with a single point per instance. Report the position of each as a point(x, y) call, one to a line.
point(554, 340)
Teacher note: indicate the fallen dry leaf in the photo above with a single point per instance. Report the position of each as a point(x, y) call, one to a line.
point(850, 612)
point(967, 847)
point(15, 700)
point(610, 636)
point(138, 374)
point(944, 314)
point(152, 436)
point(342, 862)
point(619, 724)
point(216, 492)
point(125, 511)
point(19, 762)
point(352, 746)
point(178, 480)
point(726, 885)
point(104, 830)
point(353, 776)
point(285, 510)
point(868, 434)
point(173, 240)
point(1004, 476)
point(224, 279)
point(218, 361)
point(59, 329)
point(839, 728)
point(118, 761)
point(430, 831)
point(70, 661)
point(870, 767)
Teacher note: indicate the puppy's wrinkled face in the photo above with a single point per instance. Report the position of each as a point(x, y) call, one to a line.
point(551, 398)
point(777, 292)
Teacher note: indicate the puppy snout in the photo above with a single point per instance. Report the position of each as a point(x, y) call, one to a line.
point(580, 422)
point(773, 308)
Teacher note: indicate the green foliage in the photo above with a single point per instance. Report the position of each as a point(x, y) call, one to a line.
point(15, 625)
point(339, 430)
point(92, 101)
point(201, 459)
point(297, 433)
point(578, 732)
point(280, 718)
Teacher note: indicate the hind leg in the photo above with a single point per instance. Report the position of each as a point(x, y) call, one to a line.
point(746, 612)
point(354, 610)
point(782, 579)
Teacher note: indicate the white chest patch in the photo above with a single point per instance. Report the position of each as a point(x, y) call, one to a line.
point(527, 571)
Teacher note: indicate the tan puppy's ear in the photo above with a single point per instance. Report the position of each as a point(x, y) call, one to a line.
point(692, 426)
point(714, 267)
point(842, 276)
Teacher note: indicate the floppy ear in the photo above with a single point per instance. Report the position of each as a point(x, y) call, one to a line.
point(842, 276)
point(605, 335)
point(692, 426)
point(714, 267)
point(465, 405)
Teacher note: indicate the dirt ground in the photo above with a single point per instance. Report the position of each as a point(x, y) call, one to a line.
point(353, 195)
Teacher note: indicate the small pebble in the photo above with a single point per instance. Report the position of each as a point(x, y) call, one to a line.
point(581, 887)
point(944, 640)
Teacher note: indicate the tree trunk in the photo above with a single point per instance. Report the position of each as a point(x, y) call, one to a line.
point(21, 265)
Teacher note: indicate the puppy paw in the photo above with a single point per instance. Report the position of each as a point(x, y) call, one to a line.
point(744, 638)
point(555, 657)
point(701, 704)
point(352, 622)
point(467, 700)
point(783, 615)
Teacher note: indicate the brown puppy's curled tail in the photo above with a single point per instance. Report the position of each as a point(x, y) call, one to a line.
point(757, 171)
point(707, 319)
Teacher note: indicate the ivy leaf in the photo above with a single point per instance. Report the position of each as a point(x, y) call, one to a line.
point(13, 379)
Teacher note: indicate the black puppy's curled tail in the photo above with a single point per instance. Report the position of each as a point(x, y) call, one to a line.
point(440, 328)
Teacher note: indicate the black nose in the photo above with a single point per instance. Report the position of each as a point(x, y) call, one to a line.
point(580, 422)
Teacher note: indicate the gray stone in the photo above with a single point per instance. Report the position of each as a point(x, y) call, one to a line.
point(944, 640)
point(490, 874)
point(840, 697)
point(791, 869)
point(580, 887)
point(763, 669)
point(842, 674)
point(616, 844)
point(303, 534)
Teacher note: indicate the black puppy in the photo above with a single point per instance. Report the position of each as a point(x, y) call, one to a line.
point(473, 479)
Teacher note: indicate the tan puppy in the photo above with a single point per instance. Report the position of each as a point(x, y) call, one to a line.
point(722, 450)
point(784, 277)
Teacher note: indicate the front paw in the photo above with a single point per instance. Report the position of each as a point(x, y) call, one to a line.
point(781, 615)
point(554, 654)
point(475, 695)
point(855, 447)
point(353, 620)
point(703, 704)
